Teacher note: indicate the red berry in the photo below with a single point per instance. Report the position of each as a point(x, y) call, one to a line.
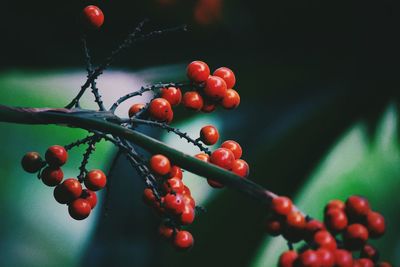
point(214, 184)
point(160, 110)
point(198, 71)
point(309, 258)
point(312, 227)
point(343, 258)
point(149, 198)
point(370, 252)
point(183, 240)
point(32, 162)
point(160, 164)
point(338, 204)
point(375, 223)
point(95, 180)
point(231, 99)
point(134, 109)
point(174, 203)
point(56, 156)
point(93, 17)
point(355, 236)
point(228, 76)
point(203, 157)
point(165, 231)
point(52, 176)
point(287, 258)
point(189, 201)
point(294, 227)
point(281, 205)
point(90, 196)
point(193, 100)
point(215, 88)
point(241, 168)
point(209, 135)
point(324, 239)
point(335, 220)
point(274, 226)
point(208, 106)
point(175, 172)
point(79, 209)
point(186, 190)
point(172, 94)
point(384, 264)
point(223, 158)
point(67, 191)
point(365, 263)
point(357, 207)
point(234, 147)
point(174, 185)
point(326, 257)
point(187, 216)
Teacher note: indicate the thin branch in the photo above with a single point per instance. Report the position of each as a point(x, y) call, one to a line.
point(91, 147)
point(79, 142)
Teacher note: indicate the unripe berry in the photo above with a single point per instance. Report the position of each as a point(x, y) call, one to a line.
point(90, 196)
point(79, 209)
point(309, 258)
point(198, 71)
point(160, 110)
point(67, 191)
point(281, 205)
point(174, 185)
point(134, 109)
point(223, 158)
point(227, 75)
point(183, 240)
point(172, 94)
point(324, 239)
point(93, 17)
point(175, 172)
point(326, 257)
point(32, 162)
point(56, 156)
point(215, 88)
point(234, 147)
point(375, 223)
point(52, 176)
point(335, 220)
point(287, 258)
point(357, 207)
point(355, 236)
point(231, 99)
point(193, 100)
point(160, 164)
point(174, 203)
point(95, 180)
point(343, 258)
point(209, 135)
point(241, 168)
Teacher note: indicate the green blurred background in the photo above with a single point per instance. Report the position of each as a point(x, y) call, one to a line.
point(318, 120)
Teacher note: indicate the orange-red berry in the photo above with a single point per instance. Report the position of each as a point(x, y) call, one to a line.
point(281, 205)
point(231, 100)
point(172, 94)
point(226, 74)
point(95, 180)
point(375, 223)
point(223, 158)
point(135, 108)
point(160, 110)
point(90, 196)
point(93, 17)
point(287, 258)
point(56, 156)
point(215, 88)
point(241, 168)
point(183, 240)
point(209, 135)
point(193, 100)
point(160, 164)
point(198, 71)
point(234, 147)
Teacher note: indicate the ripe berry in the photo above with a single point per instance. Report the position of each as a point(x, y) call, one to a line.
point(95, 180)
point(234, 147)
point(215, 88)
point(93, 17)
point(274, 226)
point(214, 184)
point(208, 106)
point(384, 264)
point(312, 227)
point(79, 209)
point(172, 94)
point(134, 109)
point(90, 196)
point(32, 162)
point(281, 205)
point(193, 100)
point(52, 176)
point(56, 156)
point(176, 172)
point(186, 190)
point(174, 203)
point(209, 135)
point(309, 258)
point(231, 99)
point(223, 158)
point(203, 157)
point(174, 185)
point(189, 201)
point(343, 258)
point(287, 258)
point(335, 204)
point(364, 263)
point(165, 231)
point(198, 71)
point(375, 223)
point(357, 207)
point(335, 220)
point(294, 227)
point(187, 216)
point(241, 168)
point(324, 239)
point(370, 252)
point(326, 257)
point(148, 197)
point(355, 236)
point(160, 110)
point(160, 164)
point(67, 191)
point(228, 76)
point(183, 240)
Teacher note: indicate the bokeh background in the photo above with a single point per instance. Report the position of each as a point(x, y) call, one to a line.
point(318, 120)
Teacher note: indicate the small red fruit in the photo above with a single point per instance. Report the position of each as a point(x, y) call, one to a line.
point(160, 164)
point(375, 223)
point(95, 180)
point(149, 198)
point(175, 172)
point(93, 17)
point(160, 110)
point(32, 162)
point(274, 226)
point(165, 231)
point(223, 158)
point(215, 88)
point(370, 252)
point(172, 94)
point(343, 258)
point(287, 258)
point(228, 76)
point(67, 191)
point(281, 205)
point(198, 71)
point(294, 227)
point(52, 176)
point(355, 236)
point(365, 262)
point(309, 258)
point(79, 209)
point(384, 264)
point(183, 240)
point(189, 201)
point(56, 156)
point(338, 204)
point(193, 100)
point(203, 157)
point(134, 109)
point(357, 207)
point(174, 203)
point(312, 227)
point(335, 220)
point(241, 168)
point(231, 99)
point(90, 196)
point(326, 257)
point(174, 185)
point(209, 135)
point(234, 147)
point(208, 106)
point(187, 216)
point(324, 239)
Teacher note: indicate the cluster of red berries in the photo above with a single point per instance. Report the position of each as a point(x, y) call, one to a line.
point(92, 17)
point(175, 203)
point(80, 201)
point(345, 230)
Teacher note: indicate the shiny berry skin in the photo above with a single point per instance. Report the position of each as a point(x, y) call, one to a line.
point(214, 184)
point(234, 147)
point(93, 17)
point(149, 198)
point(95, 180)
point(223, 158)
point(293, 230)
point(355, 236)
point(273, 226)
point(186, 190)
point(160, 164)
point(32, 162)
point(215, 88)
point(241, 168)
point(134, 109)
point(281, 205)
point(187, 216)
point(324, 239)
point(231, 99)
point(174, 185)
point(160, 110)
point(209, 135)
point(338, 204)
point(370, 252)
point(175, 172)
point(67, 191)
point(343, 258)
point(165, 231)
point(365, 263)
point(287, 258)
point(172, 94)
point(90, 196)
point(183, 240)
point(375, 223)
point(56, 156)
point(198, 71)
point(208, 106)
point(357, 207)
point(326, 257)
point(226, 74)
point(384, 264)
point(52, 176)
point(79, 209)
point(203, 157)
point(312, 227)
point(193, 100)
point(335, 220)
point(308, 258)
point(174, 203)
point(189, 201)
